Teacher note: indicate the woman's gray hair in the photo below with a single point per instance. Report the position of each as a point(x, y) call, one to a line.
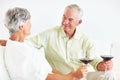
point(75, 6)
point(15, 17)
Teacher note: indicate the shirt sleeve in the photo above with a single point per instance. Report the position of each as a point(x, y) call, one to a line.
point(36, 67)
point(41, 65)
point(91, 52)
point(38, 40)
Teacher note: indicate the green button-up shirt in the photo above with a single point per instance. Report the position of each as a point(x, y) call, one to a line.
point(63, 53)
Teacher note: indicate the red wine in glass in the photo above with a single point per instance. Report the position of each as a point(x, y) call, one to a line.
point(107, 57)
point(86, 60)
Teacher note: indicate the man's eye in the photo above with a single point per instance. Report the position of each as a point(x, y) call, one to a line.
point(70, 20)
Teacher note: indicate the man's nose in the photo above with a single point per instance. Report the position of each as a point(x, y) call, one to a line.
point(66, 21)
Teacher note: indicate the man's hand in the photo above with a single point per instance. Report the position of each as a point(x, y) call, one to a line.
point(82, 71)
point(105, 65)
point(3, 42)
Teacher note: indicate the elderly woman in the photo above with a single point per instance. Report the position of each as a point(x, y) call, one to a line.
point(22, 60)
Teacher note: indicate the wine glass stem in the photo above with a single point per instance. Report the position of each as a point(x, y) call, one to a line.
point(105, 73)
point(85, 78)
point(105, 68)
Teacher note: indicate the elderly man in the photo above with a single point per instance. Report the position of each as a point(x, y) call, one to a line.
point(64, 45)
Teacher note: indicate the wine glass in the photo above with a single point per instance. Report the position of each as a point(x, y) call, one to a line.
point(106, 57)
point(86, 60)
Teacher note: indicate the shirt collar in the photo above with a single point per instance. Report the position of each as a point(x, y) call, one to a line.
point(75, 36)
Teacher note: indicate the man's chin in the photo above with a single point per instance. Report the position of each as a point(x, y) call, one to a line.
point(66, 30)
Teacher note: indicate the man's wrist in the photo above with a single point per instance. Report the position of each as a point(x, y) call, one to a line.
point(76, 75)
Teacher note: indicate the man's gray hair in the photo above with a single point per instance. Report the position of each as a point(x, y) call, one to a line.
point(75, 6)
point(15, 17)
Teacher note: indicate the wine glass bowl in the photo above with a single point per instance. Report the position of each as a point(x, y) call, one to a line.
point(86, 60)
point(106, 57)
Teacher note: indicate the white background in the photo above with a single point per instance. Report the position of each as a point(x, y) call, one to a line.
point(101, 19)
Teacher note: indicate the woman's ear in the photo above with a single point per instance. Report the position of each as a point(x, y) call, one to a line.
point(21, 27)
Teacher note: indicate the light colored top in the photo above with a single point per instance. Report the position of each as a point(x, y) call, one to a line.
point(3, 72)
point(62, 53)
point(24, 62)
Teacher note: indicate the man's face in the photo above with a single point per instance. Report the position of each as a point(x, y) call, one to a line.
point(70, 20)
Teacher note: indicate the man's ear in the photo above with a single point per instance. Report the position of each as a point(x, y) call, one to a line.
point(80, 21)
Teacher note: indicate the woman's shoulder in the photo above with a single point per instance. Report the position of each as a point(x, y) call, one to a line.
point(15, 46)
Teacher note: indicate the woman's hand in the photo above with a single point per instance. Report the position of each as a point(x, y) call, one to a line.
point(3, 42)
